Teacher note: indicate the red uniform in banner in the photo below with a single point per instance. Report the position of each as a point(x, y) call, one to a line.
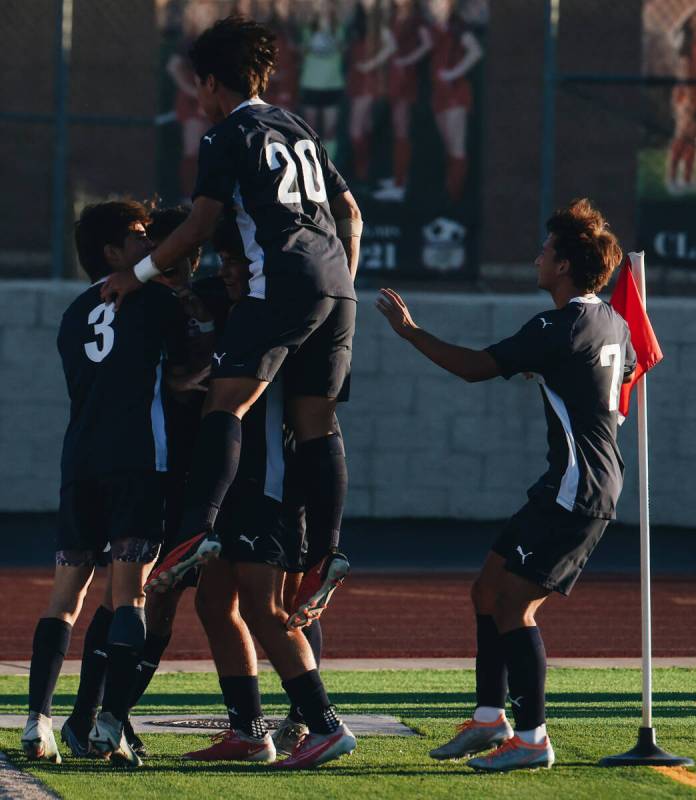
point(365, 84)
point(282, 87)
point(403, 81)
point(448, 50)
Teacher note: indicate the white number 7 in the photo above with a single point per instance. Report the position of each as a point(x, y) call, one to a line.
point(610, 356)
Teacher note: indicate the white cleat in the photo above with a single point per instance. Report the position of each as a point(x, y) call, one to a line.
point(38, 741)
point(107, 740)
point(474, 737)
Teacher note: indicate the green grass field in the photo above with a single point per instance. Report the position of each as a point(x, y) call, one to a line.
point(591, 713)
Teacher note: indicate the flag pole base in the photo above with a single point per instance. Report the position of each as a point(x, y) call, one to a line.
point(646, 753)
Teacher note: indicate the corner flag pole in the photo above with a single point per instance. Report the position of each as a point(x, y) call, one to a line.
point(646, 752)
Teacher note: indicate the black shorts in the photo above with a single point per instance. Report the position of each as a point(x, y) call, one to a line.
point(549, 545)
point(258, 529)
point(101, 511)
point(313, 339)
point(321, 98)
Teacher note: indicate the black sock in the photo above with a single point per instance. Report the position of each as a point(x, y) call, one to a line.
point(307, 693)
point(214, 466)
point(243, 702)
point(153, 650)
point(322, 465)
point(92, 672)
point(126, 641)
point(526, 662)
point(51, 642)
point(315, 638)
point(491, 671)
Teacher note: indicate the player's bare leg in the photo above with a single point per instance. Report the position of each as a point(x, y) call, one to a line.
point(217, 604)
point(261, 597)
point(51, 642)
point(452, 125)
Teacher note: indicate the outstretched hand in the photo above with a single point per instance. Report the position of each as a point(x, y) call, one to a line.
point(390, 304)
point(118, 285)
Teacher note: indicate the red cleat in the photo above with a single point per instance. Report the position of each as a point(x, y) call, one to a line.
point(233, 745)
point(184, 557)
point(318, 748)
point(316, 589)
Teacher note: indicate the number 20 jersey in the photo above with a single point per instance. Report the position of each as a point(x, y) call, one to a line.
point(581, 354)
point(113, 369)
point(273, 175)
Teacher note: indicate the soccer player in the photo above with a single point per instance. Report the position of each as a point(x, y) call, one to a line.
point(113, 452)
point(580, 352)
point(301, 227)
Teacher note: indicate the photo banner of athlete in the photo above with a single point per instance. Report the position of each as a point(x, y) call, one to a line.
point(392, 87)
point(666, 176)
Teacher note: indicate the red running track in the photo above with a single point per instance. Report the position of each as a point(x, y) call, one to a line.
point(413, 615)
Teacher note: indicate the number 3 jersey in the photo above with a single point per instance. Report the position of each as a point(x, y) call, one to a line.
point(580, 354)
point(113, 369)
point(273, 175)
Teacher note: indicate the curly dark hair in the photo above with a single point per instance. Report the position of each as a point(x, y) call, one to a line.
point(227, 239)
point(581, 236)
point(238, 52)
point(164, 221)
point(101, 224)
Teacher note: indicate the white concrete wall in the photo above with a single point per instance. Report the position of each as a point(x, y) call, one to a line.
point(420, 443)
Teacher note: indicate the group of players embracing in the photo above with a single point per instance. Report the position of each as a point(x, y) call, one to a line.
point(237, 462)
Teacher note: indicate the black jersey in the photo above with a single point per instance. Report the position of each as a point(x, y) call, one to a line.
point(272, 173)
point(581, 353)
point(113, 368)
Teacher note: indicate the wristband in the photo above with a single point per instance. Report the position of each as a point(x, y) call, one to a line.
point(347, 228)
point(204, 327)
point(145, 269)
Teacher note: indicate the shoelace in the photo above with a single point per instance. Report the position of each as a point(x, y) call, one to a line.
point(219, 738)
point(510, 744)
point(464, 726)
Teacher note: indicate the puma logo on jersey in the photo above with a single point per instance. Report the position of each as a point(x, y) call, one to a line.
point(544, 323)
point(523, 555)
point(250, 542)
point(516, 701)
point(218, 358)
point(209, 139)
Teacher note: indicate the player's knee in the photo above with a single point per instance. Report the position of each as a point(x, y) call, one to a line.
point(212, 613)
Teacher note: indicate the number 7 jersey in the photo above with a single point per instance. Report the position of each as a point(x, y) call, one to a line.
point(581, 354)
point(273, 175)
point(113, 370)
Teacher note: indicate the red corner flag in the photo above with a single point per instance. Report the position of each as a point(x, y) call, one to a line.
point(626, 301)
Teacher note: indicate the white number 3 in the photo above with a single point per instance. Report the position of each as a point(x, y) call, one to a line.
point(610, 356)
point(101, 317)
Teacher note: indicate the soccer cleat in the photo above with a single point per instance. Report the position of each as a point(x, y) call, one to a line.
point(38, 741)
point(189, 554)
point(288, 735)
point(474, 737)
point(316, 589)
point(78, 746)
point(107, 740)
point(318, 748)
point(516, 754)
point(136, 743)
point(233, 745)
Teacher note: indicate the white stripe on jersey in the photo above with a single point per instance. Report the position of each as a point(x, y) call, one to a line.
point(159, 431)
point(275, 460)
point(568, 489)
point(252, 249)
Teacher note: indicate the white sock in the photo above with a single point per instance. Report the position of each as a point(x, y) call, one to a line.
point(488, 713)
point(535, 736)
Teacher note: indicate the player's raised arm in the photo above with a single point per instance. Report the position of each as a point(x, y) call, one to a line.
point(471, 365)
point(195, 229)
point(349, 227)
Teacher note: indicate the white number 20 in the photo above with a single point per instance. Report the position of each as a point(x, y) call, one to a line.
point(101, 317)
point(312, 176)
point(610, 356)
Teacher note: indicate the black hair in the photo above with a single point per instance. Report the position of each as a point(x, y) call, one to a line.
point(102, 224)
point(238, 52)
point(227, 239)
